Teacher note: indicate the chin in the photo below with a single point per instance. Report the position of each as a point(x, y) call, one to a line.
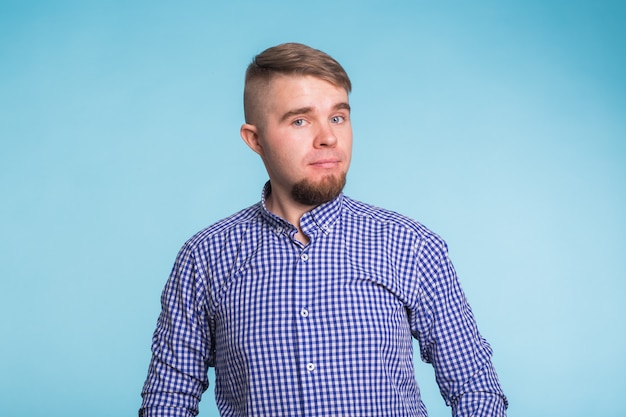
point(322, 191)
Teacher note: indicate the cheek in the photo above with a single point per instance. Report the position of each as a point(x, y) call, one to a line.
point(348, 145)
point(282, 160)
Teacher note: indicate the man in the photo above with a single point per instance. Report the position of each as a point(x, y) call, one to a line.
point(306, 303)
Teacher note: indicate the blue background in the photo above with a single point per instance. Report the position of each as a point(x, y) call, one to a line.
point(499, 125)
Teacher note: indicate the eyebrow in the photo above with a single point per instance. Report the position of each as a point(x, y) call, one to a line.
point(308, 109)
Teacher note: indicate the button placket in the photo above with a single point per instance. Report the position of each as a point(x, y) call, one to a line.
point(305, 324)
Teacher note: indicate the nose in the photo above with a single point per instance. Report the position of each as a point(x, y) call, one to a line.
point(325, 136)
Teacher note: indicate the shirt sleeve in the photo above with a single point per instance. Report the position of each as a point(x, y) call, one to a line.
point(449, 339)
point(181, 343)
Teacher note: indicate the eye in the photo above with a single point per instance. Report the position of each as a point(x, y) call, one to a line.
point(298, 122)
point(337, 119)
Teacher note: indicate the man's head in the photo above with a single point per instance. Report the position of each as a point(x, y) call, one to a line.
point(298, 121)
point(294, 59)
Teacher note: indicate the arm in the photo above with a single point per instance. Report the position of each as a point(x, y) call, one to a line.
point(449, 338)
point(177, 376)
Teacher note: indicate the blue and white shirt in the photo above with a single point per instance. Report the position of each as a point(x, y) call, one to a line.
point(322, 329)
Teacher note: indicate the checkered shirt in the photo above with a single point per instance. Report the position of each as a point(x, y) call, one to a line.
point(322, 329)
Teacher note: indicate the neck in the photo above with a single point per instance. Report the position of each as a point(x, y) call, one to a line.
point(289, 210)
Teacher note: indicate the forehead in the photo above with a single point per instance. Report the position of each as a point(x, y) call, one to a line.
point(281, 90)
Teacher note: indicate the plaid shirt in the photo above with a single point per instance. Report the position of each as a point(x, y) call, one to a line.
point(323, 329)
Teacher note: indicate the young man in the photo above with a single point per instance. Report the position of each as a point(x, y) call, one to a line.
point(306, 303)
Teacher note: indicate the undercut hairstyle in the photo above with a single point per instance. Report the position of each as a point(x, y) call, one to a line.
point(291, 59)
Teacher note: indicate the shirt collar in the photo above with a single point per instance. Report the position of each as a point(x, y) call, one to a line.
point(319, 220)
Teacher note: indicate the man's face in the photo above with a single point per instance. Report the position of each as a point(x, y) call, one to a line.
point(305, 138)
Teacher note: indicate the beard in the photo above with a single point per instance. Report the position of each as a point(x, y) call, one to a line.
point(313, 194)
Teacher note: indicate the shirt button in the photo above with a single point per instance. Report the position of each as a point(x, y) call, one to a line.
point(304, 312)
point(304, 257)
point(310, 367)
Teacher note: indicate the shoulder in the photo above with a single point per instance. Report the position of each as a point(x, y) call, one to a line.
point(225, 227)
point(391, 221)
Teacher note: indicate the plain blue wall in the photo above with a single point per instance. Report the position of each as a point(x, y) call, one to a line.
point(500, 125)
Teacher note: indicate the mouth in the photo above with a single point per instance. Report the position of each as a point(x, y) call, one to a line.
point(326, 163)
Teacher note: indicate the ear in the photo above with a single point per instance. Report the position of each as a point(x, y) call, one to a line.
point(250, 134)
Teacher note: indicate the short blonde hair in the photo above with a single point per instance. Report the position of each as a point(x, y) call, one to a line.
point(288, 59)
